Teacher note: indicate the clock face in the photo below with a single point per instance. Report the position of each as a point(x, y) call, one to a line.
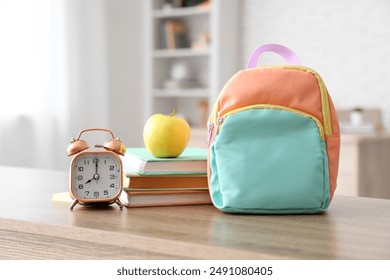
point(96, 176)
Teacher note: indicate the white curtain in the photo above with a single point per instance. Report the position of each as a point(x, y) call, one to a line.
point(52, 79)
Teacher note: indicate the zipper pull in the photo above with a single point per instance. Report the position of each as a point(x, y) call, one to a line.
point(219, 122)
point(211, 127)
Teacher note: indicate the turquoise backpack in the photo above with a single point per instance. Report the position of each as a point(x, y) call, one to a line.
point(274, 140)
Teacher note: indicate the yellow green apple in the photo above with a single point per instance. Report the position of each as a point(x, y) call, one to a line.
point(166, 135)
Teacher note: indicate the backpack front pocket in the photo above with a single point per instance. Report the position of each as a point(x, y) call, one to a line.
point(269, 160)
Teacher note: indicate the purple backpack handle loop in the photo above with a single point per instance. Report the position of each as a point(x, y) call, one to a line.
point(288, 55)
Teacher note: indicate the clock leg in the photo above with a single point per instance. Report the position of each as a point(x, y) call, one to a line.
point(73, 204)
point(119, 203)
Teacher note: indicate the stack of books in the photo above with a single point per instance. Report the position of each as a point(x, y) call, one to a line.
point(166, 181)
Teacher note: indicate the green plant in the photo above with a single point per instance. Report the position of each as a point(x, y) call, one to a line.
point(357, 109)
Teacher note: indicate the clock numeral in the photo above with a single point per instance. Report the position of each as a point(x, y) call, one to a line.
point(80, 177)
point(86, 192)
point(81, 186)
point(112, 176)
point(112, 185)
point(86, 162)
point(105, 192)
point(96, 194)
point(81, 168)
point(112, 167)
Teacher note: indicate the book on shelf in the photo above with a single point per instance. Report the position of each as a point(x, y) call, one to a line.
point(191, 3)
point(145, 198)
point(191, 161)
point(173, 35)
point(196, 3)
point(163, 37)
point(168, 181)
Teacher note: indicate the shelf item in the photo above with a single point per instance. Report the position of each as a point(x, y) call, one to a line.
point(173, 35)
point(204, 39)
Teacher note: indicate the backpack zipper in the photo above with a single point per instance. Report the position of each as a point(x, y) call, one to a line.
point(327, 127)
point(324, 94)
point(324, 98)
point(210, 133)
point(219, 123)
point(274, 107)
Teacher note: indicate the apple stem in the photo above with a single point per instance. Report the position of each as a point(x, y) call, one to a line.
point(174, 112)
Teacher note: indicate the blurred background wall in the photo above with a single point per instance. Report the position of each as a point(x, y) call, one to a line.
point(72, 64)
point(345, 41)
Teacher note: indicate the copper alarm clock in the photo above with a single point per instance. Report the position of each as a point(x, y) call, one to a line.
point(96, 175)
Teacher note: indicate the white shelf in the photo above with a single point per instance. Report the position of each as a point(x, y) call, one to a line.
point(187, 52)
point(180, 12)
point(209, 67)
point(181, 93)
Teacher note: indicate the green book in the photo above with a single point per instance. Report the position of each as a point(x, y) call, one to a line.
point(191, 161)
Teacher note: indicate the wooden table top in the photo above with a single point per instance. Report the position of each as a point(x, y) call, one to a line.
point(32, 226)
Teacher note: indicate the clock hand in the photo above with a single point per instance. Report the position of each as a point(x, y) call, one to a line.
point(95, 177)
point(90, 180)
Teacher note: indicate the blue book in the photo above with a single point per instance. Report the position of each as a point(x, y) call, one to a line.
point(191, 161)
